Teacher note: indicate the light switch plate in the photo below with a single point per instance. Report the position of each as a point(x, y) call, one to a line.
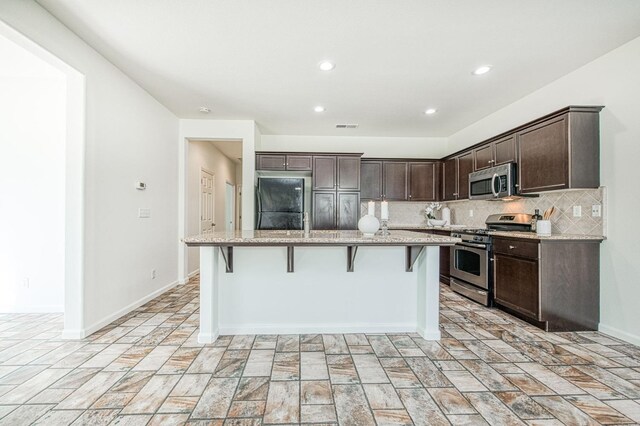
point(577, 211)
point(470, 213)
point(596, 210)
point(144, 213)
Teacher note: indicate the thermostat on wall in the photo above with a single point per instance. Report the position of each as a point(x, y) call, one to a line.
point(141, 185)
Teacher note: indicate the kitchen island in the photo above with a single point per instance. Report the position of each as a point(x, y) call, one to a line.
point(279, 282)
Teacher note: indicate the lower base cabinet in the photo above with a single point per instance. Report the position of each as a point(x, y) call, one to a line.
point(553, 284)
point(335, 210)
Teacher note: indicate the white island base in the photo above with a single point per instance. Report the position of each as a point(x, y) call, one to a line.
point(320, 296)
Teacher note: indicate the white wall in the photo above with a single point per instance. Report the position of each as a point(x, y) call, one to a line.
point(32, 180)
point(129, 137)
point(203, 155)
point(400, 147)
point(613, 81)
point(190, 130)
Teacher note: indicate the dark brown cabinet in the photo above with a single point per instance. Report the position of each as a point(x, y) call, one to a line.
point(371, 180)
point(465, 166)
point(494, 153)
point(394, 180)
point(283, 162)
point(336, 191)
point(553, 284)
point(424, 181)
point(450, 179)
point(324, 210)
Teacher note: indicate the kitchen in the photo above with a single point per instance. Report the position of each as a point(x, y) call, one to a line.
point(515, 123)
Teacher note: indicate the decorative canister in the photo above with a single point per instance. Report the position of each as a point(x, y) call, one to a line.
point(368, 225)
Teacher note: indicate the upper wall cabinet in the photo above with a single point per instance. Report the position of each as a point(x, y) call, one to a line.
point(394, 180)
point(282, 162)
point(399, 180)
point(371, 180)
point(339, 173)
point(494, 153)
point(450, 179)
point(424, 181)
point(560, 151)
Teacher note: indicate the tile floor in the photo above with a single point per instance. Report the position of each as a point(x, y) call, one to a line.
point(147, 368)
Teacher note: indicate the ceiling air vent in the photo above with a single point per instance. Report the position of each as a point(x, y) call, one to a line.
point(346, 126)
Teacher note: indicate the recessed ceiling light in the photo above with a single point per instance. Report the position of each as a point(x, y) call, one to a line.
point(430, 111)
point(326, 65)
point(319, 108)
point(204, 110)
point(482, 70)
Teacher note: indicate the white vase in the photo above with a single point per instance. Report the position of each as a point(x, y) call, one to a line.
point(368, 225)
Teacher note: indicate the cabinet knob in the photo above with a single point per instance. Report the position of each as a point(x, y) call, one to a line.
point(512, 247)
point(489, 161)
point(455, 194)
point(409, 195)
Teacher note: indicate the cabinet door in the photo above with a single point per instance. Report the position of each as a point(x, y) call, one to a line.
point(299, 162)
point(483, 157)
point(394, 180)
point(348, 173)
point(465, 166)
point(450, 179)
point(543, 152)
point(324, 172)
point(348, 210)
point(505, 150)
point(371, 180)
point(422, 182)
point(270, 162)
point(516, 284)
point(324, 210)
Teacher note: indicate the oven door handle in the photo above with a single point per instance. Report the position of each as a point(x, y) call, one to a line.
point(493, 185)
point(465, 244)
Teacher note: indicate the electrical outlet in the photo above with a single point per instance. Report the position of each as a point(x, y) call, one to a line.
point(144, 213)
point(470, 213)
point(153, 274)
point(596, 210)
point(25, 283)
point(577, 211)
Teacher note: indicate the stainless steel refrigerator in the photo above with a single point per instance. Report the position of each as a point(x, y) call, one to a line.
point(280, 203)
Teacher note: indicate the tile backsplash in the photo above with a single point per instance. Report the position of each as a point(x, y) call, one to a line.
point(562, 222)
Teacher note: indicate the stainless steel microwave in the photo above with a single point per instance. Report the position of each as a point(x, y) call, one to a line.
point(494, 183)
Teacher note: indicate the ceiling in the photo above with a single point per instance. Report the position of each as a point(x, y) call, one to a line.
point(258, 60)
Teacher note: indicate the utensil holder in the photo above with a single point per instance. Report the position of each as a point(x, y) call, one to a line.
point(543, 227)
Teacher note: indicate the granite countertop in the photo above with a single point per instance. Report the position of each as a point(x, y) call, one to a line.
point(328, 238)
point(534, 236)
point(435, 228)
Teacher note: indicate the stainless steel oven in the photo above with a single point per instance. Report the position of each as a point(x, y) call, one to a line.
point(470, 271)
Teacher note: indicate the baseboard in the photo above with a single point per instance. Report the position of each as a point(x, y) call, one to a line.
point(189, 276)
point(40, 309)
point(429, 335)
point(620, 334)
point(87, 331)
point(317, 328)
point(207, 337)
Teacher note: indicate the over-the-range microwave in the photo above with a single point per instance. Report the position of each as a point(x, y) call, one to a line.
point(494, 183)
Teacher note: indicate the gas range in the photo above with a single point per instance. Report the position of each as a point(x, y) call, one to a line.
point(471, 259)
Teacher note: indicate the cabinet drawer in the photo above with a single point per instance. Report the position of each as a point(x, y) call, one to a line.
point(519, 248)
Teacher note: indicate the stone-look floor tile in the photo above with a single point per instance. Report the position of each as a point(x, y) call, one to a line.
point(24, 415)
point(467, 420)
point(206, 361)
point(492, 409)
point(402, 377)
point(216, 398)
point(451, 401)
point(597, 410)
point(283, 403)
point(58, 417)
point(132, 382)
point(343, 374)
point(421, 407)
point(428, 373)
point(259, 363)
point(315, 392)
point(87, 394)
point(594, 387)
point(151, 396)
point(433, 350)
point(313, 366)
point(232, 363)
point(191, 385)
point(286, 366)
point(156, 358)
point(334, 344)
point(528, 384)
point(382, 396)
point(179, 361)
point(489, 377)
point(392, 417)
point(24, 392)
point(252, 389)
point(382, 346)
point(168, 420)
point(551, 379)
point(288, 343)
point(369, 369)
point(241, 342)
point(351, 405)
point(75, 378)
point(113, 400)
point(247, 409)
point(178, 404)
point(523, 405)
point(318, 414)
point(131, 420)
point(623, 386)
point(464, 381)
point(628, 408)
point(564, 411)
point(356, 339)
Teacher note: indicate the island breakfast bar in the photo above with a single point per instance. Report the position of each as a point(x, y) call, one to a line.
point(280, 282)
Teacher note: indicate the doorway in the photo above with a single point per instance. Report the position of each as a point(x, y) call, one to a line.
point(207, 202)
point(230, 206)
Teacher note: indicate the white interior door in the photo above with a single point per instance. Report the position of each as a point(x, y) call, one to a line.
point(207, 197)
point(230, 207)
